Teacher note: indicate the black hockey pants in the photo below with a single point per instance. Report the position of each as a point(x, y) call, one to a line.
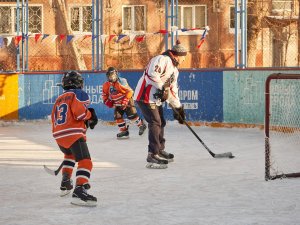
point(154, 116)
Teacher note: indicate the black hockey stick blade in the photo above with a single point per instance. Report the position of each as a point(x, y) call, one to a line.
point(53, 172)
point(221, 155)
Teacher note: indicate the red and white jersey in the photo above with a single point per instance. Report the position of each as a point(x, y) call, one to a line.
point(159, 71)
point(68, 115)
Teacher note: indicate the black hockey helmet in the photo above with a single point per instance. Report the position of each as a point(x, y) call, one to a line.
point(72, 80)
point(112, 74)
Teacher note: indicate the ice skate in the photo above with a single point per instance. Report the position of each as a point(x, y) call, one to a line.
point(66, 185)
point(82, 198)
point(123, 135)
point(166, 155)
point(142, 129)
point(154, 162)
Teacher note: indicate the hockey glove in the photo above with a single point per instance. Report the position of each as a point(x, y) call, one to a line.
point(109, 103)
point(124, 103)
point(179, 114)
point(162, 94)
point(92, 122)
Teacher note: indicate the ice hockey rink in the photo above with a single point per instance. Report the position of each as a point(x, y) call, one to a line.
point(196, 188)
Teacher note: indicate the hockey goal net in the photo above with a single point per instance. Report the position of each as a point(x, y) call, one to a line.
point(282, 126)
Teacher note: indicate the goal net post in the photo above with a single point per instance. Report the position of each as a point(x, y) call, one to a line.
point(282, 126)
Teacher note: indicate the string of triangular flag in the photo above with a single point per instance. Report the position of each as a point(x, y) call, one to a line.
point(138, 37)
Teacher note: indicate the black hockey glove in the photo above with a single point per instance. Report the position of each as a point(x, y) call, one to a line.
point(162, 94)
point(179, 114)
point(92, 122)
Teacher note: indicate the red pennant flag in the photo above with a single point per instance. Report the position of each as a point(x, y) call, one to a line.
point(18, 39)
point(140, 38)
point(202, 39)
point(201, 42)
point(36, 37)
point(86, 36)
point(111, 37)
point(61, 37)
point(163, 31)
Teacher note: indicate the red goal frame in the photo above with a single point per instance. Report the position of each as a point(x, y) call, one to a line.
point(274, 76)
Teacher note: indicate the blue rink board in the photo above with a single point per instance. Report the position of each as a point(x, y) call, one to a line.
point(200, 92)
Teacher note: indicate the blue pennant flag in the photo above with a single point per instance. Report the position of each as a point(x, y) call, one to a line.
point(69, 38)
point(45, 36)
point(1, 42)
point(120, 37)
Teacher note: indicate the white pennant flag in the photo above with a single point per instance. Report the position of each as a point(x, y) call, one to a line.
point(9, 40)
point(174, 28)
point(103, 37)
point(76, 37)
point(131, 37)
point(54, 37)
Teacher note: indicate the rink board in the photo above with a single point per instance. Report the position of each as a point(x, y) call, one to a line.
point(231, 96)
point(9, 96)
point(200, 92)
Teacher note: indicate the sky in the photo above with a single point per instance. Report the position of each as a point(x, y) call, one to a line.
point(195, 189)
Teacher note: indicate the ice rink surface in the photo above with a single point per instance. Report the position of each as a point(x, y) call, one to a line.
point(195, 189)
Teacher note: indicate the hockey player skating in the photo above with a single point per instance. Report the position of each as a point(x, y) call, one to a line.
point(117, 94)
point(158, 84)
point(70, 119)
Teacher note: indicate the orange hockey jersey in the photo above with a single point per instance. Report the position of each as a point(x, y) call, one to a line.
point(116, 91)
point(68, 115)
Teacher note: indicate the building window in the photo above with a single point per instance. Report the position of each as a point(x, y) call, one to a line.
point(134, 19)
point(282, 5)
point(8, 20)
point(192, 16)
point(232, 20)
point(81, 19)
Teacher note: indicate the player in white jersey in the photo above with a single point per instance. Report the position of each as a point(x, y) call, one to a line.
point(158, 84)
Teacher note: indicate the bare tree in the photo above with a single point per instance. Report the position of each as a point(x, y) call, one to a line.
point(255, 18)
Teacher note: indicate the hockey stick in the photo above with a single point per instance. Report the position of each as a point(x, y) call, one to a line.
point(221, 155)
point(53, 172)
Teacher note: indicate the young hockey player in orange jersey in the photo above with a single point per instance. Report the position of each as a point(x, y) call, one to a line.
point(118, 94)
point(70, 119)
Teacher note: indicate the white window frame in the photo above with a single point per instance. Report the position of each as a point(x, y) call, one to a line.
point(281, 10)
point(80, 6)
point(232, 30)
point(133, 20)
point(191, 32)
point(14, 17)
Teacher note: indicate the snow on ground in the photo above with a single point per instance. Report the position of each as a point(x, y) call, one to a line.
point(195, 189)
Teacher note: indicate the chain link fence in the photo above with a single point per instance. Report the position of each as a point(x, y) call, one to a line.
point(59, 34)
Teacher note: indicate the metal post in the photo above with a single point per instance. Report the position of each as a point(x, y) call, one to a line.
point(18, 33)
point(236, 31)
point(97, 36)
point(93, 33)
point(172, 22)
point(176, 19)
point(166, 23)
point(25, 27)
point(244, 33)
point(101, 33)
point(241, 33)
